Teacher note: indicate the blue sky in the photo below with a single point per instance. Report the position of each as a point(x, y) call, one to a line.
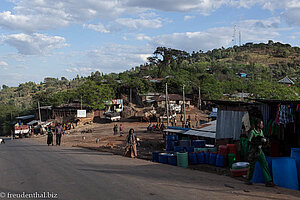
point(63, 38)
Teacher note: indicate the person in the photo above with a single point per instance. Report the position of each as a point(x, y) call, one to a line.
point(50, 135)
point(121, 130)
point(175, 121)
point(115, 129)
point(59, 131)
point(131, 140)
point(197, 119)
point(181, 118)
point(256, 140)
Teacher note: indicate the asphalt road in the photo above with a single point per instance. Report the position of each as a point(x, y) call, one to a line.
point(75, 173)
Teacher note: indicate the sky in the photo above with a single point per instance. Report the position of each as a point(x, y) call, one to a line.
point(63, 38)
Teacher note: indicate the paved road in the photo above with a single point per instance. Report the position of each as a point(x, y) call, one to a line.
point(75, 173)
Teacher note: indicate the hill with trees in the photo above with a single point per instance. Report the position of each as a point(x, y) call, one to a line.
point(216, 72)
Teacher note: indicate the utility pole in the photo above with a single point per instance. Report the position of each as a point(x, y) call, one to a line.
point(39, 111)
point(183, 105)
point(167, 105)
point(199, 100)
point(130, 95)
point(81, 103)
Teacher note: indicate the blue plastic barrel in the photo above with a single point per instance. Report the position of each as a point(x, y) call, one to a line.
point(285, 173)
point(199, 143)
point(201, 157)
point(190, 149)
point(193, 158)
point(295, 153)
point(172, 159)
point(179, 149)
point(163, 158)
point(170, 145)
point(185, 143)
point(171, 137)
point(220, 161)
point(212, 158)
point(155, 156)
point(207, 155)
point(258, 175)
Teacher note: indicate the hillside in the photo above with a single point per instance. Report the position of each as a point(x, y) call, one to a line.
point(215, 72)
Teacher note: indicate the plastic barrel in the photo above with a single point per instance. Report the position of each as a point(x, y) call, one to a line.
point(223, 150)
point(207, 155)
point(170, 145)
point(285, 173)
point(212, 158)
point(155, 156)
point(179, 149)
point(198, 143)
point(231, 159)
point(258, 176)
point(220, 161)
point(193, 158)
point(182, 159)
point(171, 137)
point(172, 159)
point(200, 149)
point(190, 149)
point(295, 153)
point(163, 158)
point(185, 143)
point(213, 149)
point(201, 157)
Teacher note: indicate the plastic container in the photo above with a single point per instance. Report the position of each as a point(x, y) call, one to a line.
point(220, 161)
point(212, 158)
point(223, 150)
point(171, 137)
point(200, 149)
point(201, 157)
point(258, 176)
point(179, 149)
point(190, 149)
point(199, 143)
point(170, 145)
point(231, 148)
point(163, 158)
point(212, 149)
point(295, 153)
point(193, 158)
point(185, 143)
point(172, 159)
point(207, 155)
point(285, 173)
point(182, 159)
point(231, 159)
point(155, 156)
point(240, 165)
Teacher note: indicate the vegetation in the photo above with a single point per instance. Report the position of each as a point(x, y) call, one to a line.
point(216, 72)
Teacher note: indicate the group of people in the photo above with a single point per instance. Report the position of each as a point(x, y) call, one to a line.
point(156, 127)
point(58, 131)
point(116, 129)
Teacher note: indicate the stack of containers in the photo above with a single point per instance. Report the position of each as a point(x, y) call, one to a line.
point(198, 143)
point(171, 142)
point(231, 148)
point(231, 154)
point(221, 160)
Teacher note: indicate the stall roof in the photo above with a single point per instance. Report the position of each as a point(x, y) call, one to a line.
point(32, 122)
point(25, 117)
point(174, 130)
point(208, 131)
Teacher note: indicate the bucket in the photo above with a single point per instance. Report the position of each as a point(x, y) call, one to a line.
point(172, 159)
point(163, 158)
point(182, 159)
point(212, 158)
point(220, 161)
point(193, 158)
point(198, 143)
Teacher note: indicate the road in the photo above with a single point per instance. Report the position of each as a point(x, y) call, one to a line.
point(75, 173)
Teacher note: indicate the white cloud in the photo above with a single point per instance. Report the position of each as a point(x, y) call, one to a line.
point(82, 69)
point(3, 63)
point(188, 17)
point(97, 27)
point(34, 44)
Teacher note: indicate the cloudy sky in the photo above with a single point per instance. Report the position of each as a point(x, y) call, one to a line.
point(55, 38)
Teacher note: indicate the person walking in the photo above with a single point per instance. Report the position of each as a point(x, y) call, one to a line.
point(50, 135)
point(131, 141)
point(59, 131)
point(121, 130)
point(256, 140)
point(197, 120)
point(115, 129)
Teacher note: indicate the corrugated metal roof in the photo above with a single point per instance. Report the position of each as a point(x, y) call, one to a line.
point(207, 131)
point(174, 130)
point(25, 117)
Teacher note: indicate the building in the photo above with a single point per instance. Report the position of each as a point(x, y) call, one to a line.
point(174, 99)
point(286, 80)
